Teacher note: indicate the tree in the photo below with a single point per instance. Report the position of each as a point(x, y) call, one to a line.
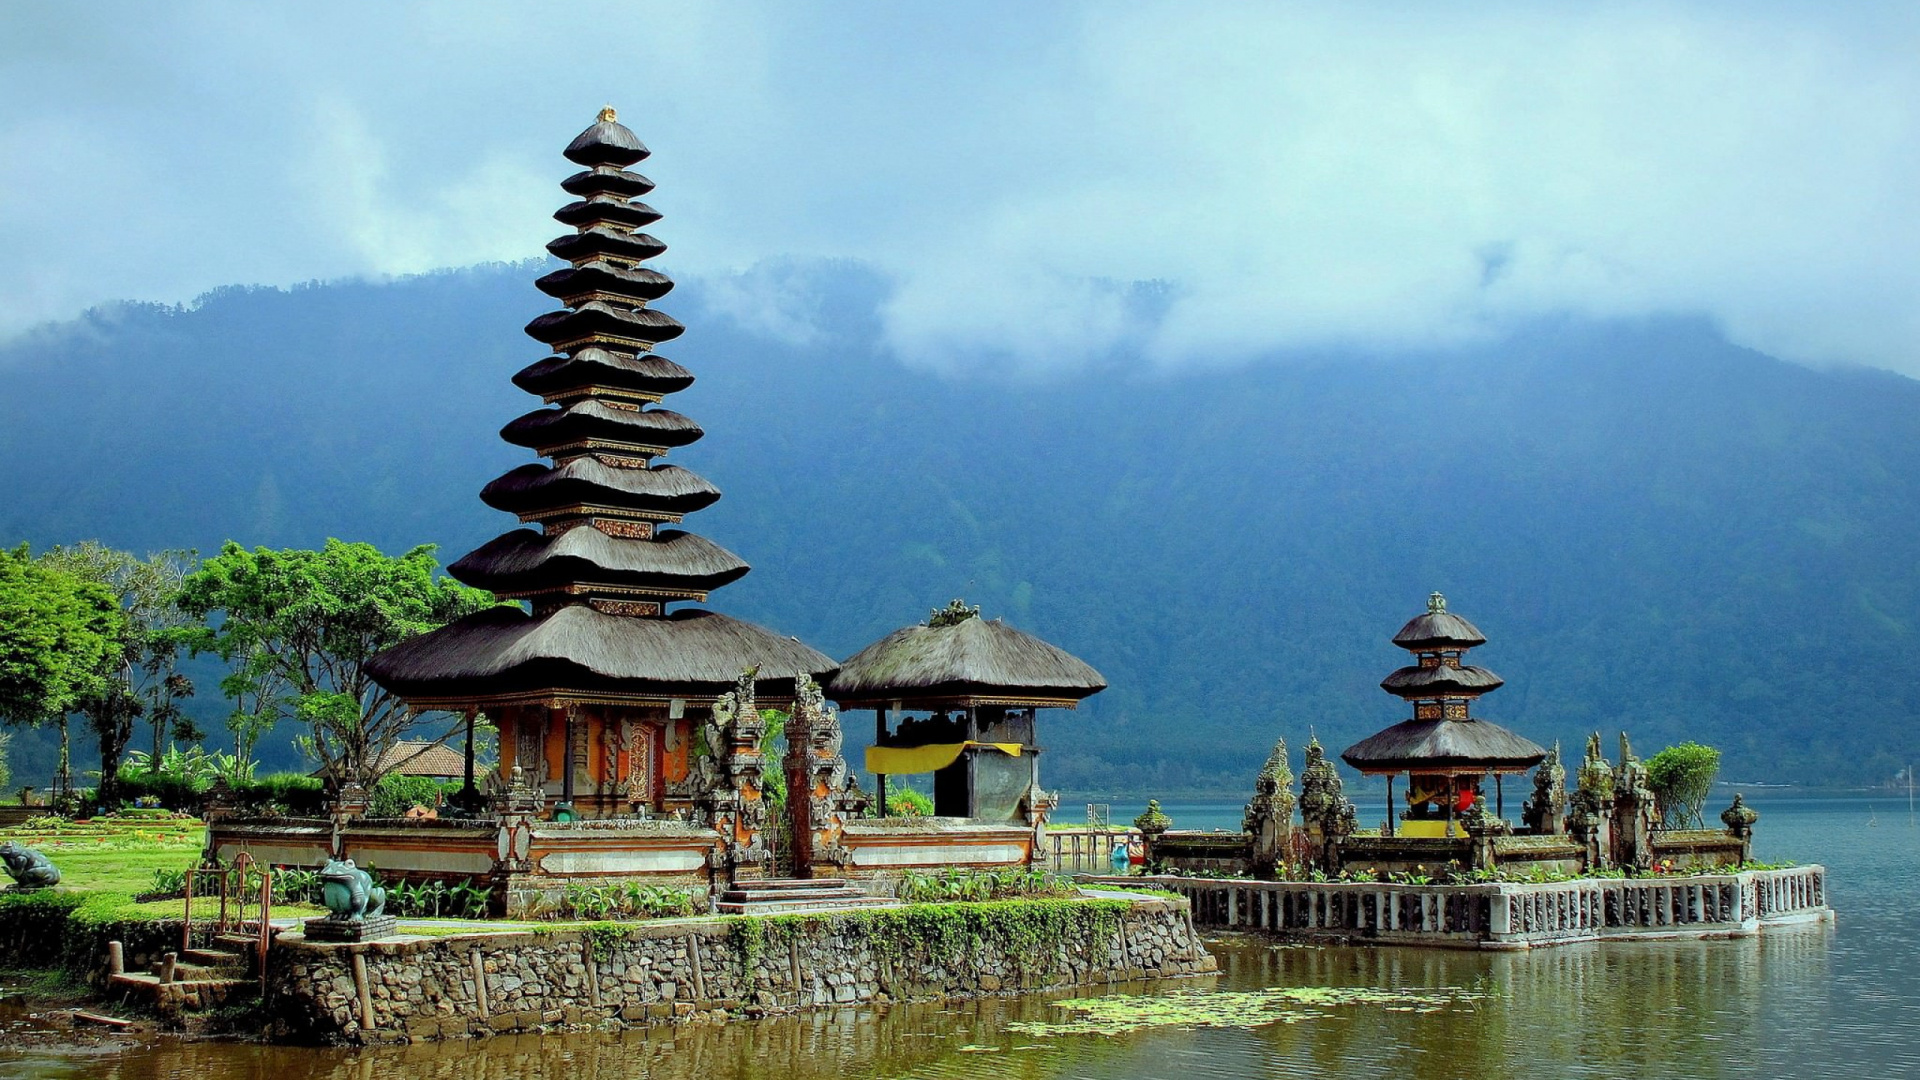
point(141, 678)
point(298, 627)
point(1681, 778)
point(58, 635)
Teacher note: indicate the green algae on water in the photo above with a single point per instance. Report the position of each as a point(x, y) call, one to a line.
point(1117, 1014)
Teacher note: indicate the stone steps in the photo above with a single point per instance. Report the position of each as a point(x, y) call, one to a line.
point(775, 896)
point(192, 980)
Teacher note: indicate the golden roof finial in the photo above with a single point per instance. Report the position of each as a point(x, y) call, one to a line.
point(607, 115)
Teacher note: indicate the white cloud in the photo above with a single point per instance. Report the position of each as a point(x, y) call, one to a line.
point(1387, 176)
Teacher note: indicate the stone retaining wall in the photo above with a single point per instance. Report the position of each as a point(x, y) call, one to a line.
point(481, 984)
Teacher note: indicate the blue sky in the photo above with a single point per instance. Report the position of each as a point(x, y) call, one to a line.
point(1294, 176)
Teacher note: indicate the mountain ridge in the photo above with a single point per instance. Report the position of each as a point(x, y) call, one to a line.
point(1655, 528)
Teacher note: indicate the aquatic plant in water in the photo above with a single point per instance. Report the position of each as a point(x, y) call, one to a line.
point(1117, 1014)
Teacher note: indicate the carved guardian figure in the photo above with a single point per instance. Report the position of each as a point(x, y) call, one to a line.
point(349, 892)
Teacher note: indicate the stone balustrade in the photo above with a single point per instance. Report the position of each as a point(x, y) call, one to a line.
point(1508, 915)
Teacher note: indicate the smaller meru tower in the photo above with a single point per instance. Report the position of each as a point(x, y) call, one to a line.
point(597, 685)
point(1444, 749)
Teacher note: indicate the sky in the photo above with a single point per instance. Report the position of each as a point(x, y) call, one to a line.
point(1039, 184)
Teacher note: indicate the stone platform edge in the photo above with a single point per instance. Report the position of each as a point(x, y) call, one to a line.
point(1505, 915)
point(718, 968)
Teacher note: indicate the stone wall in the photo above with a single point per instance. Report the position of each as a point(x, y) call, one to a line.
point(480, 984)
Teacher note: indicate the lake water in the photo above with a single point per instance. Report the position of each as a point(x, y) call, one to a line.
point(1841, 1000)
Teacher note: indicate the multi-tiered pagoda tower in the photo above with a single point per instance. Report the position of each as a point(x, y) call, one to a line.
point(1444, 748)
point(595, 689)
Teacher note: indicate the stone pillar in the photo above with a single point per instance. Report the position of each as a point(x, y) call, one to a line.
point(1269, 817)
point(1633, 810)
point(821, 796)
point(730, 795)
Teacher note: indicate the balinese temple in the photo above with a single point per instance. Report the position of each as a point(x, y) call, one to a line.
point(1444, 749)
point(978, 682)
point(596, 686)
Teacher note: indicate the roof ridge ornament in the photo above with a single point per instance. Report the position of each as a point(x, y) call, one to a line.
point(955, 613)
point(1436, 604)
point(607, 115)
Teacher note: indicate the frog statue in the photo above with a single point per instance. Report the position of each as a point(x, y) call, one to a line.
point(349, 892)
point(28, 868)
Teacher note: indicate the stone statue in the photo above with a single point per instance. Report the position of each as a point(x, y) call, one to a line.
point(1545, 812)
point(1479, 821)
point(29, 868)
point(1268, 821)
point(349, 892)
point(1739, 819)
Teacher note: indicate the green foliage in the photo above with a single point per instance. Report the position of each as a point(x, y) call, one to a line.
point(631, 900)
point(58, 635)
point(903, 801)
point(603, 938)
point(954, 884)
point(297, 628)
point(395, 794)
point(1682, 778)
point(6, 762)
point(140, 679)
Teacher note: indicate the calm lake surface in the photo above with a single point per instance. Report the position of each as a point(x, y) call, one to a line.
point(1838, 1000)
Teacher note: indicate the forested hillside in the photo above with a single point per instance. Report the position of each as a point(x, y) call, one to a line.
point(1654, 528)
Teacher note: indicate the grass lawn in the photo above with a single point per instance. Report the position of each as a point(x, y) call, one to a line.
point(117, 856)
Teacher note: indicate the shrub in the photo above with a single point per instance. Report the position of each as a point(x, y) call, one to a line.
point(952, 883)
point(394, 795)
point(903, 801)
point(1682, 778)
point(629, 901)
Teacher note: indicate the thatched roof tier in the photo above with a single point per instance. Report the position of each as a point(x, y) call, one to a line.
point(599, 277)
point(601, 242)
point(646, 376)
point(575, 651)
point(655, 429)
point(607, 142)
point(1441, 681)
point(602, 209)
point(524, 562)
point(607, 180)
point(1444, 746)
point(1439, 630)
point(971, 662)
point(662, 491)
point(595, 319)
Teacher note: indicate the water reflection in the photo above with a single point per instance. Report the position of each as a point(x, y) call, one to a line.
point(1818, 1000)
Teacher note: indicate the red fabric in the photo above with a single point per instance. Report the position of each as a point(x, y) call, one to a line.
point(1465, 801)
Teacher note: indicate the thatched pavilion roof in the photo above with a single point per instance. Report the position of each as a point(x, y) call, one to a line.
point(1439, 630)
point(1444, 746)
point(971, 662)
point(1427, 682)
point(579, 653)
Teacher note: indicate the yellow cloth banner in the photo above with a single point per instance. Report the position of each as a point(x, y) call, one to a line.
point(926, 759)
